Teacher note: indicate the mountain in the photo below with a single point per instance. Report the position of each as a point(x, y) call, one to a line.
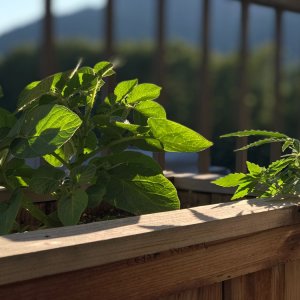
point(135, 21)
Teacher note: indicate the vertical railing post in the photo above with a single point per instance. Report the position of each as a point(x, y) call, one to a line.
point(243, 110)
point(47, 56)
point(205, 115)
point(109, 42)
point(160, 64)
point(278, 122)
point(109, 29)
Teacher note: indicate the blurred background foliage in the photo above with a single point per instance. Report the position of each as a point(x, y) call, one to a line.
point(21, 67)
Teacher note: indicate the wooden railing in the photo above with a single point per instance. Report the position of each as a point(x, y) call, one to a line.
point(242, 250)
point(204, 108)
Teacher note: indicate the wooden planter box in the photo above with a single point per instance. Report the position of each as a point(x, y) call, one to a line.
point(193, 190)
point(238, 250)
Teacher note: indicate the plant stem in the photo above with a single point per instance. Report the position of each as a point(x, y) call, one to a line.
point(85, 127)
point(66, 164)
point(114, 143)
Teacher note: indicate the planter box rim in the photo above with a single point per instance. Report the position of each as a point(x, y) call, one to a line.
point(75, 247)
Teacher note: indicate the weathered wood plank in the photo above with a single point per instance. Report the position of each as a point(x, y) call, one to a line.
point(292, 5)
point(165, 273)
point(292, 276)
point(82, 246)
point(210, 292)
point(197, 182)
point(261, 285)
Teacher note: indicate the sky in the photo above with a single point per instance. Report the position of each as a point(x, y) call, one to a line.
point(16, 13)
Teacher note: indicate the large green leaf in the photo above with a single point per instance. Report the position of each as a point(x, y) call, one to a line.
point(65, 152)
point(46, 180)
point(146, 109)
point(229, 180)
point(44, 129)
point(143, 92)
point(9, 211)
point(254, 169)
point(91, 142)
point(96, 194)
point(132, 127)
point(83, 174)
point(176, 137)
point(7, 119)
point(70, 208)
point(36, 89)
point(124, 88)
point(137, 185)
point(82, 83)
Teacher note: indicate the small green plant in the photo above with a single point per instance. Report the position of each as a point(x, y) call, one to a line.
point(82, 142)
point(280, 179)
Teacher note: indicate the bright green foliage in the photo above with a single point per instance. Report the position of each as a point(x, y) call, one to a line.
point(9, 211)
point(280, 179)
point(62, 121)
point(177, 138)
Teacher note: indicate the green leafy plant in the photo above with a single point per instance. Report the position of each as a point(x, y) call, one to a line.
point(280, 179)
point(82, 142)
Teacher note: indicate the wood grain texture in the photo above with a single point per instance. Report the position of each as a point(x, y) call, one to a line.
point(83, 246)
point(210, 292)
point(260, 285)
point(292, 5)
point(169, 272)
point(197, 182)
point(292, 277)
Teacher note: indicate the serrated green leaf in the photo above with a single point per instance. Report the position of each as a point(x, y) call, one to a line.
point(143, 92)
point(124, 88)
point(104, 69)
point(242, 191)
point(279, 165)
point(9, 211)
point(70, 208)
point(287, 144)
point(230, 180)
point(254, 169)
point(45, 128)
point(146, 109)
point(261, 142)
point(177, 138)
point(46, 180)
point(266, 133)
